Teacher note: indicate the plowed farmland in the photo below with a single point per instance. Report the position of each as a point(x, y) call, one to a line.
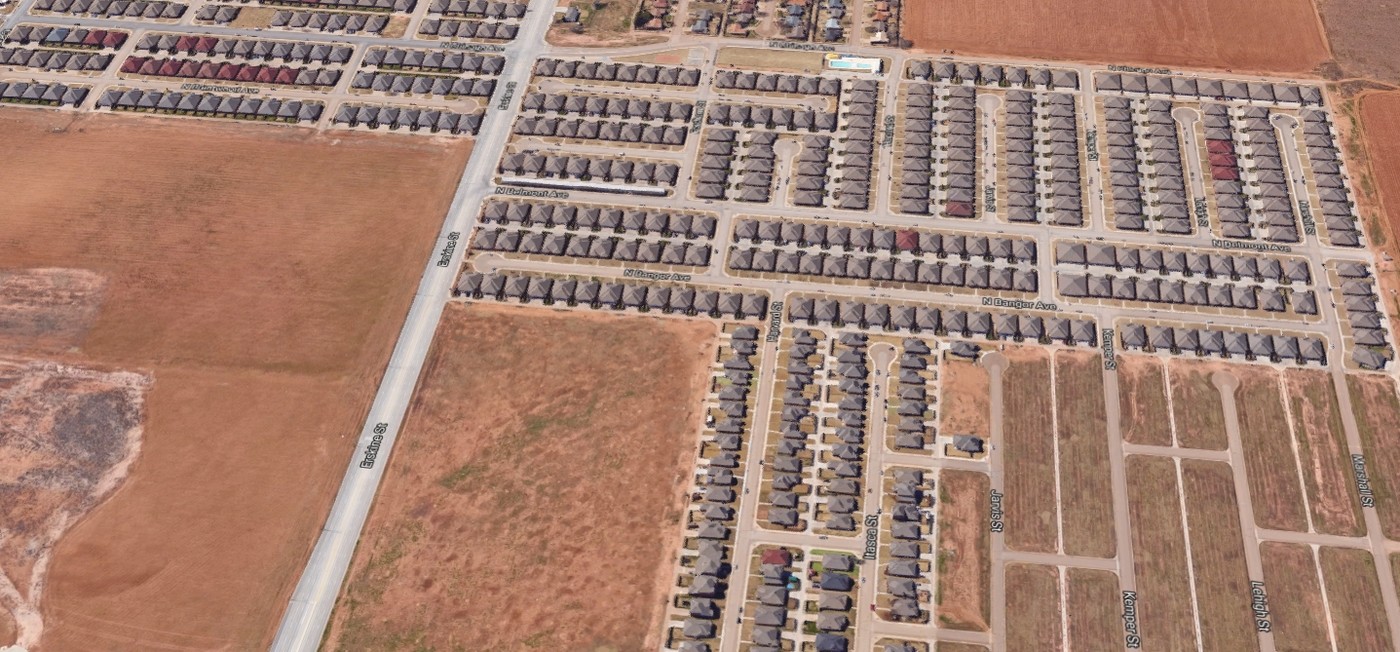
point(258, 276)
point(1234, 34)
point(498, 526)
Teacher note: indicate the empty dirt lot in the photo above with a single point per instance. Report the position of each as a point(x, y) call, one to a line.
point(1364, 37)
point(1379, 115)
point(1196, 407)
point(1271, 466)
point(1295, 598)
point(1033, 607)
point(1217, 554)
point(1029, 450)
point(1142, 400)
point(964, 548)
point(966, 406)
point(1235, 34)
point(1159, 552)
point(262, 300)
point(1322, 450)
point(1354, 595)
point(1094, 606)
point(1377, 411)
point(1084, 470)
point(500, 523)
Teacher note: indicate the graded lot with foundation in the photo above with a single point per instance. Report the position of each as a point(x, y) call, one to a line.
point(259, 276)
point(1142, 397)
point(499, 520)
point(1354, 594)
point(1196, 407)
point(1086, 491)
point(1029, 453)
point(1235, 34)
point(1217, 554)
point(1322, 449)
point(1159, 554)
point(1033, 596)
point(1270, 464)
point(1377, 411)
point(1295, 598)
point(1094, 608)
point(964, 550)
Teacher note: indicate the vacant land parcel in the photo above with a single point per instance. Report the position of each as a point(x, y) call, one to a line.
point(1164, 588)
point(258, 276)
point(1196, 406)
point(1295, 597)
point(1031, 520)
point(498, 526)
point(1377, 410)
point(1236, 34)
point(1322, 450)
point(1142, 398)
point(964, 547)
point(1084, 472)
point(1268, 451)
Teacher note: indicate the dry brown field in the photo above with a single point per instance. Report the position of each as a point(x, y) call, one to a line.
point(1029, 453)
point(1159, 554)
point(967, 407)
point(1230, 34)
point(263, 301)
point(1363, 39)
point(1370, 129)
point(1142, 399)
point(960, 647)
point(1377, 411)
point(1271, 466)
point(498, 519)
point(1196, 407)
point(1217, 554)
point(1085, 485)
point(1354, 595)
point(1033, 608)
point(1095, 609)
point(1322, 449)
point(964, 550)
point(1295, 599)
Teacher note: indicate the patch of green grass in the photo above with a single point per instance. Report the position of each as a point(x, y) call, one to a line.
point(455, 480)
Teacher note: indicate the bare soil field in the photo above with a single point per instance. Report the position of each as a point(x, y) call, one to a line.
point(1159, 553)
point(967, 407)
point(1377, 411)
point(68, 437)
point(1142, 400)
point(1375, 118)
point(1295, 599)
point(1084, 468)
point(47, 310)
point(1322, 449)
point(1217, 554)
point(964, 549)
point(1363, 39)
point(1095, 608)
point(263, 300)
point(1354, 595)
point(1029, 453)
point(498, 526)
point(1196, 407)
point(960, 647)
point(1271, 466)
point(1230, 34)
point(1033, 596)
